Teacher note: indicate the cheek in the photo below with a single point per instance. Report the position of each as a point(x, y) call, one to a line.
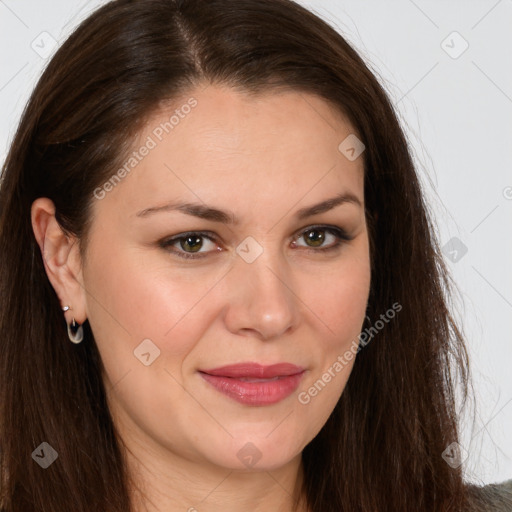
point(339, 307)
point(339, 298)
point(342, 301)
point(132, 300)
point(338, 301)
point(133, 303)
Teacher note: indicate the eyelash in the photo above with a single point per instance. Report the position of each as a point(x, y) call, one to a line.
point(340, 234)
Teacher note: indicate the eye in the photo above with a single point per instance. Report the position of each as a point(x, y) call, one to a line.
point(189, 243)
point(315, 236)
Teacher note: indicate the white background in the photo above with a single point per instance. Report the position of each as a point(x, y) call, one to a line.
point(457, 112)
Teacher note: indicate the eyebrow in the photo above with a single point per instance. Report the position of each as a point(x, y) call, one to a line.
point(206, 212)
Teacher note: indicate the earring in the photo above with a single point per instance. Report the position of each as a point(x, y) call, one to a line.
point(75, 331)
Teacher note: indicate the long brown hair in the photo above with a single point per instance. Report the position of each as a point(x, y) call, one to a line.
point(381, 449)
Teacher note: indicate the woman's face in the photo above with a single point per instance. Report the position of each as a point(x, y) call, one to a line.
point(258, 290)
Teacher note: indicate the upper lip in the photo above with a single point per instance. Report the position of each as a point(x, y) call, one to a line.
point(255, 370)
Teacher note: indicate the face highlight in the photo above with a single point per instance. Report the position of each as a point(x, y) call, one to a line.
point(239, 237)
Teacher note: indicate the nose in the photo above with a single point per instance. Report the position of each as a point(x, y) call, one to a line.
point(261, 299)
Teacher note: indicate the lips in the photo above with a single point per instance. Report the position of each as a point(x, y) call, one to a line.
point(255, 371)
point(255, 384)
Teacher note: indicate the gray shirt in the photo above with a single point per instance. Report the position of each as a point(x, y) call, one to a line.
point(492, 497)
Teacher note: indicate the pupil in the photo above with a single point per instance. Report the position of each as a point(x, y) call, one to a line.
point(317, 240)
point(191, 241)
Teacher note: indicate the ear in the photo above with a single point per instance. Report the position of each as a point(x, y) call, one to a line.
point(61, 259)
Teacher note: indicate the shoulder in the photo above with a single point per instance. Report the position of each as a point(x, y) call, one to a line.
point(492, 497)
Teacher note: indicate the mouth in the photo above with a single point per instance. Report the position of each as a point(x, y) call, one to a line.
point(255, 384)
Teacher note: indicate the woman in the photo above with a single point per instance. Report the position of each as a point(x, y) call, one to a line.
point(209, 222)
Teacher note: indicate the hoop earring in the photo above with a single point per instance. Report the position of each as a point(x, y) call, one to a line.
point(75, 334)
point(75, 331)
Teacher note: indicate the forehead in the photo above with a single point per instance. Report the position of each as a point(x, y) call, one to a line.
point(216, 144)
point(223, 118)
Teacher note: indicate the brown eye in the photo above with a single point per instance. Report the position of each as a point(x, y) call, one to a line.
point(314, 237)
point(192, 243)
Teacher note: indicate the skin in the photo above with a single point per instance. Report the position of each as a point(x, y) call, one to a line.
point(263, 158)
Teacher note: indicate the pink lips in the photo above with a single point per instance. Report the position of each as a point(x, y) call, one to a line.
point(254, 384)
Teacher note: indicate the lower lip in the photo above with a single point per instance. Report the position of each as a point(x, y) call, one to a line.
point(255, 393)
